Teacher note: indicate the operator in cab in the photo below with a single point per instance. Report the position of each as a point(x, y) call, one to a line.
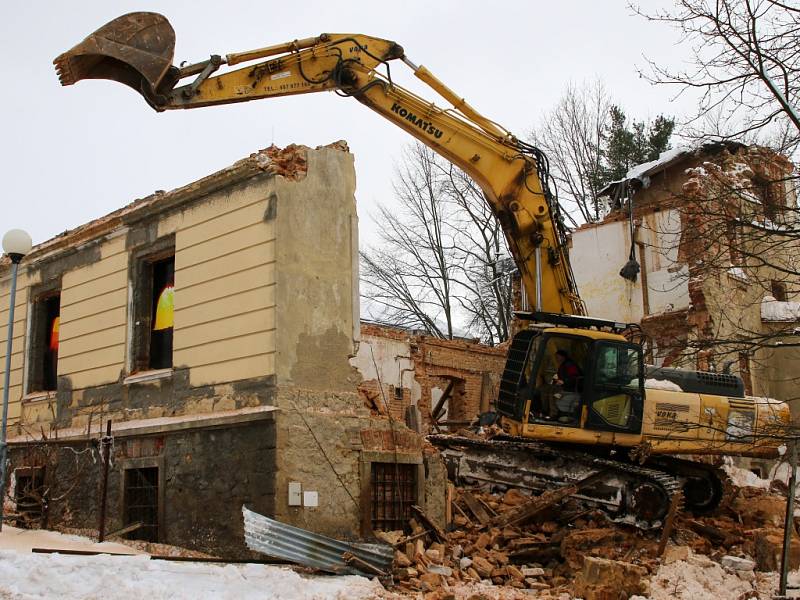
point(566, 399)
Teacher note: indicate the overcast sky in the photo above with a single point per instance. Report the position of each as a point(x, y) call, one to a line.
point(73, 154)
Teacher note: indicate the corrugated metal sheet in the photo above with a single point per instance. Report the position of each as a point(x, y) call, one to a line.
point(277, 539)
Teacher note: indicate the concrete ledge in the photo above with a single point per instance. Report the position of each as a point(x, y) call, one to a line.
point(34, 397)
point(146, 376)
point(157, 426)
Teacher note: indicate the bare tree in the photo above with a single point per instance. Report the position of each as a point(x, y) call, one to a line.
point(740, 218)
point(591, 142)
point(443, 264)
point(485, 266)
point(744, 63)
point(572, 135)
point(410, 277)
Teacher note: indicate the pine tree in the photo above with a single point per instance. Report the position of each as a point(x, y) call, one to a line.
point(630, 145)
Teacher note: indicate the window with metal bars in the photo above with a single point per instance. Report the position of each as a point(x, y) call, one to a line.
point(141, 503)
point(393, 492)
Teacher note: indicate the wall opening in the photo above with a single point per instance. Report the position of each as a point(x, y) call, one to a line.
point(778, 289)
point(43, 370)
point(744, 373)
point(153, 308)
point(141, 503)
point(392, 493)
point(162, 299)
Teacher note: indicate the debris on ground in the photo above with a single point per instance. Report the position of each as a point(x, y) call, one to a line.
point(554, 546)
point(503, 543)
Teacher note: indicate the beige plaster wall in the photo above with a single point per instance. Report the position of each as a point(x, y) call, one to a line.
point(93, 319)
point(316, 249)
point(18, 343)
point(598, 252)
point(225, 286)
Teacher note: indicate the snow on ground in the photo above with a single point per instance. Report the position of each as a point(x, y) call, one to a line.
point(28, 576)
point(23, 540)
point(31, 576)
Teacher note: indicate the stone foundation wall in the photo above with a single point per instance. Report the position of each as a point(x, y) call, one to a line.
point(205, 476)
point(327, 442)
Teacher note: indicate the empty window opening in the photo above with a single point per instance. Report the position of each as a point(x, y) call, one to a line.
point(154, 281)
point(43, 370)
point(29, 495)
point(770, 196)
point(162, 313)
point(141, 503)
point(778, 290)
point(393, 492)
point(733, 239)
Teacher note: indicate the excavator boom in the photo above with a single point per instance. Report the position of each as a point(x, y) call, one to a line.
point(137, 50)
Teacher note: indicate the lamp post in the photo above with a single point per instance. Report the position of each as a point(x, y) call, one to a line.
point(16, 243)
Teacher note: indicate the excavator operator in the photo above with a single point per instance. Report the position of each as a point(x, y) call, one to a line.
point(568, 378)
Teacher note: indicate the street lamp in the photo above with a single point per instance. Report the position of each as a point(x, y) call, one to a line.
point(16, 243)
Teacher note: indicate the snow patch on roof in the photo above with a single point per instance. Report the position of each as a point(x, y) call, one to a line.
point(640, 171)
point(662, 384)
point(774, 310)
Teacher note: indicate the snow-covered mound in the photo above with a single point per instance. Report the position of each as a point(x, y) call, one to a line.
point(32, 576)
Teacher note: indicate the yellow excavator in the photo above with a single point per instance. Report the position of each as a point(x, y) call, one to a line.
point(576, 400)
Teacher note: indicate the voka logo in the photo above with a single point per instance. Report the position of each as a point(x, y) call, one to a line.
point(424, 125)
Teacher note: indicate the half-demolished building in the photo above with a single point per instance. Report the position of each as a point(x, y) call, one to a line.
point(713, 229)
point(213, 326)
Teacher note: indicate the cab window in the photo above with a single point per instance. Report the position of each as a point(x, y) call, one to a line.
point(617, 383)
point(617, 365)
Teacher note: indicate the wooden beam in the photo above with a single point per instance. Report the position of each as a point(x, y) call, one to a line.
point(476, 508)
point(531, 508)
point(440, 404)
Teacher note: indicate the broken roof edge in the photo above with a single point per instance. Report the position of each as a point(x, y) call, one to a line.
point(289, 162)
point(642, 172)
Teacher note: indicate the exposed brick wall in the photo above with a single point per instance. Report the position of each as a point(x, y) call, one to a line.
point(669, 333)
point(476, 369)
point(712, 191)
point(479, 367)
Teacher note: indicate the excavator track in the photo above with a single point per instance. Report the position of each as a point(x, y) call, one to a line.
point(706, 487)
point(629, 493)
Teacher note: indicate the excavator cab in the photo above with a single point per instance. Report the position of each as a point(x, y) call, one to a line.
point(573, 377)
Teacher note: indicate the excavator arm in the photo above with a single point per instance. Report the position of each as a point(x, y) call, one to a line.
point(137, 50)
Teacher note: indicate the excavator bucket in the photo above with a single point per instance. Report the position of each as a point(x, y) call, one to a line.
point(135, 49)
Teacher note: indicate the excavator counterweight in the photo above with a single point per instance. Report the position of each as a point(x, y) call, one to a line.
point(135, 49)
